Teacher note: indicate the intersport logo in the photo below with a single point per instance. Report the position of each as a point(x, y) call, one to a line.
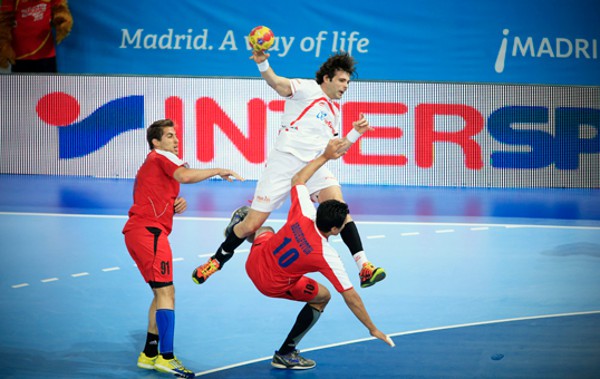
point(80, 137)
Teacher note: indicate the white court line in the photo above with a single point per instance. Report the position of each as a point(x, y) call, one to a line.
point(474, 226)
point(208, 255)
point(111, 269)
point(445, 231)
point(539, 317)
point(375, 237)
point(178, 259)
point(20, 285)
point(184, 218)
point(80, 274)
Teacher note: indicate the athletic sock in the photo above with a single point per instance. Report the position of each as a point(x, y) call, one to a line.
point(360, 258)
point(232, 242)
point(307, 317)
point(165, 321)
point(225, 251)
point(151, 347)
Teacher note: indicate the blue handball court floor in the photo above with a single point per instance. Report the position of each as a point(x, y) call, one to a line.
point(482, 283)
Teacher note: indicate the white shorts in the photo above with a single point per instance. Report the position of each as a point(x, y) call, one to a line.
point(275, 183)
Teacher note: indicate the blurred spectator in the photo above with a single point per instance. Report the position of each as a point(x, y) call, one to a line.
point(26, 38)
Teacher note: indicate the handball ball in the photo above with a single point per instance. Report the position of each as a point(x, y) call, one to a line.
point(261, 38)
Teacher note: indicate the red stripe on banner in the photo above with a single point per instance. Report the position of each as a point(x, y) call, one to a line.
point(174, 111)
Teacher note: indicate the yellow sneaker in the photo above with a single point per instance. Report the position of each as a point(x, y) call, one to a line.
point(202, 273)
point(146, 362)
point(370, 275)
point(172, 366)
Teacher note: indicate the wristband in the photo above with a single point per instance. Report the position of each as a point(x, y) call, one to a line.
point(353, 135)
point(263, 66)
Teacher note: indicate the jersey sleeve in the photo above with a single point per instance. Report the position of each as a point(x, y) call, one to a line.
point(169, 162)
point(334, 269)
point(299, 89)
point(301, 203)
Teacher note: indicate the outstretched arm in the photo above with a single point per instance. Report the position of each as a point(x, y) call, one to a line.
point(192, 175)
point(357, 307)
point(332, 151)
point(280, 84)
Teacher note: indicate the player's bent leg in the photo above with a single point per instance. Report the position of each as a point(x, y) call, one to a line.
point(320, 301)
point(244, 222)
point(251, 223)
point(236, 217)
point(369, 274)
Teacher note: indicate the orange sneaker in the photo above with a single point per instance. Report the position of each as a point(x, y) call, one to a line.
point(370, 275)
point(203, 272)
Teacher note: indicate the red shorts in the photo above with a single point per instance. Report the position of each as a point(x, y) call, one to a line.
point(271, 283)
point(150, 249)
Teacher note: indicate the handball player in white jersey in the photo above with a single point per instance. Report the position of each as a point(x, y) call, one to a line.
point(310, 119)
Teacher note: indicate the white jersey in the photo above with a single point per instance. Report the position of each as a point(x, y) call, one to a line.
point(310, 119)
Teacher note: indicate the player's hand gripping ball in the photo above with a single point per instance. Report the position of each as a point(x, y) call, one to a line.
point(261, 38)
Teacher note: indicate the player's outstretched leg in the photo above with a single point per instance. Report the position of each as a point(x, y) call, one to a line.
point(216, 262)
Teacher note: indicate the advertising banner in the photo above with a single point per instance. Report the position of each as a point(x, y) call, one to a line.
point(512, 41)
point(425, 134)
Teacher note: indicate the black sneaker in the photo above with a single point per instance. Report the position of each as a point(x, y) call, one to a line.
point(236, 217)
point(292, 361)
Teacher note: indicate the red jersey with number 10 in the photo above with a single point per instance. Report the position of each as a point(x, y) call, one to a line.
point(299, 248)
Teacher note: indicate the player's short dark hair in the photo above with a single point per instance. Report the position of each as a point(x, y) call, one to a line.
point(338, 61)
point(331, 213)
point(156, 130)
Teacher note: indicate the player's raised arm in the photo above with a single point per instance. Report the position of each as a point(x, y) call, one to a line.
point(332, 151)
point(280, 84)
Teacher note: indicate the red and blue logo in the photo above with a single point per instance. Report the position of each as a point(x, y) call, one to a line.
point(78, 138)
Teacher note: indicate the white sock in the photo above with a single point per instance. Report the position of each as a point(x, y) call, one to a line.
point(360, 258)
